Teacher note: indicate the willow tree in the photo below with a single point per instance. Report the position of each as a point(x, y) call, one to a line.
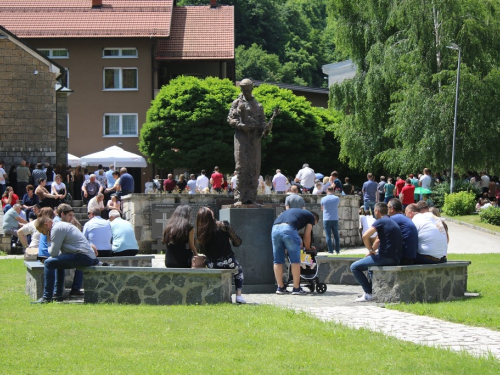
point(400, 105)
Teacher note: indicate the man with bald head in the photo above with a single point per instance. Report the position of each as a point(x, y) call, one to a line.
point(126, 183)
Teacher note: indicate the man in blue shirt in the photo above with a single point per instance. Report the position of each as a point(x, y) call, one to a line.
point(285, 235)
point(124, 242)
point(370, 194)
point(110, 180)
point(330, 208)
point(98, 232)
point(409, 231)
point(389, 249)
point(126, 183)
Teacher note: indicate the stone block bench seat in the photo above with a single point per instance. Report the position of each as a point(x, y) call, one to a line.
point(34, 271)
point(157, 286)
point(420, 282)
point(336, 270)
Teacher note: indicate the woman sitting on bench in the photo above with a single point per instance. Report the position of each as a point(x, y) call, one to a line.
point(178, 235)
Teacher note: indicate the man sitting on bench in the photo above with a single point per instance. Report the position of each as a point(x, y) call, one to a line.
point(389, 245)
point(68, 249)
point(432, 236)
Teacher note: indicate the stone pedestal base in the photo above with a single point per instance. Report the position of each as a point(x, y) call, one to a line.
point(255, 254)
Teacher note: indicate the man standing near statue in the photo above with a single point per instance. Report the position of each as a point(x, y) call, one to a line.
point(247, 117)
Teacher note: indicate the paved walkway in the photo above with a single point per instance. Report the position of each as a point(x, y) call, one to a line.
point(337, 305)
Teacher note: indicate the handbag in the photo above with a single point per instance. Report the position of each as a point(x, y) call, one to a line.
point(31, 254)
point(198, 261)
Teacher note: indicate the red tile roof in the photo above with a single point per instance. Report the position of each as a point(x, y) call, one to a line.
point(199, 33)
point(77, 18)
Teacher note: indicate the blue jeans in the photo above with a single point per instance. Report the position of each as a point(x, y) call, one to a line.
point(286, 237)
point(361, 265)
point(370, 205)
point(329, 226)
point(387, 199)
point(62, 262)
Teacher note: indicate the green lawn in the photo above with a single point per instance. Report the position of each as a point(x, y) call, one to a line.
point(222, 339)
point(482, 311)
point(475, 220)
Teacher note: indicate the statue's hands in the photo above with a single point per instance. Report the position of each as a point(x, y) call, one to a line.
point(242, 127)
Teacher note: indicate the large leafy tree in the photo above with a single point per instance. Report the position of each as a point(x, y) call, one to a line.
point(399, 107)
point(186, 126)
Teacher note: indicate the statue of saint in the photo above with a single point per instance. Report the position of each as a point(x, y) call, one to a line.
point(247, 117)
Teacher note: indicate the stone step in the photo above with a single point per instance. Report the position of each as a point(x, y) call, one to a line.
point(76, 203)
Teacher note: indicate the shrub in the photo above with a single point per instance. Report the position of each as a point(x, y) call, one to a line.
point(491, 215)
point(439, 191)
point(462, 203)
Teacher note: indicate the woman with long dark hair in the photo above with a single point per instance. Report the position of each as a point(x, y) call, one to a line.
point(44, 197)
point(179, 237)
point(78, 182)
point(213, 237)
point(13, 179)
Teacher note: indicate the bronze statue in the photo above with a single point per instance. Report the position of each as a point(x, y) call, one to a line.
point(247, 117)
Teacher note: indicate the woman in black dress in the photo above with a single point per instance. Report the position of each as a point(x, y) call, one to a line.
point(179, 237)
point(214, 237)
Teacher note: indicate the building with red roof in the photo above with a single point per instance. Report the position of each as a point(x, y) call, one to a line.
point(118, 53)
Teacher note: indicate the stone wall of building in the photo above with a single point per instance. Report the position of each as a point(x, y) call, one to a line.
point(28, 110)
point(149, 212)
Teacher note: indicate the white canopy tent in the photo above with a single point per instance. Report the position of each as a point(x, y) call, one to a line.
point(74, 160)
point(116, 156)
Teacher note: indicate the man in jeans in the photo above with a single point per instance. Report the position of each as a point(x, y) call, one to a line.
point(370, 194)
point(330, 208)
point(389, 246)
point(68, 249)
point(285, 235)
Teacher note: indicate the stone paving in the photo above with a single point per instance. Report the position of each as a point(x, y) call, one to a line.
point(338, 305)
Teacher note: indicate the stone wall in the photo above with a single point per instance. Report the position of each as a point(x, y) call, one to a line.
point(149, 212)
point(333, 270)
point(157, 286)
point(420, 283)
point(28, 109)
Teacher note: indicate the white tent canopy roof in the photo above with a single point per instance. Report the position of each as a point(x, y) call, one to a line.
point(115, 155)
point(73, 160)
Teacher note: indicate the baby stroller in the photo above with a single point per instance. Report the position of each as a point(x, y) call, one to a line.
point(308, 272)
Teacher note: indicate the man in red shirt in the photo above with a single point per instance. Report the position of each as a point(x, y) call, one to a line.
point(407, 193)
point(216, 180)
point(169, 184)
point(400, 184)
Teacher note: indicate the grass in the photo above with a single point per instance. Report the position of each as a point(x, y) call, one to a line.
point(483, 311)
point(221, 339)
point(475, 220)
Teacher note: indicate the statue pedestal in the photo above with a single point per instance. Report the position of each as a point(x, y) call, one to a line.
point(253, 226)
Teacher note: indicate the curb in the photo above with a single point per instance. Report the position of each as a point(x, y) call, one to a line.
point(447, 218)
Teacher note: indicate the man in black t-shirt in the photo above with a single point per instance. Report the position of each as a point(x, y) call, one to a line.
point(285, 235)
point(389, 244)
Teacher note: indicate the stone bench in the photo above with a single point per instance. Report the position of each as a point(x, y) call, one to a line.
point(157, 286)
point(420, 283)
point(34, 272)
point(336, 270)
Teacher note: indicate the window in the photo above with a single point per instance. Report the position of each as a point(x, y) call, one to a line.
point(117, 53)
point(65, 81)
point(120, 125)
point(55, 53)
point(120, 78)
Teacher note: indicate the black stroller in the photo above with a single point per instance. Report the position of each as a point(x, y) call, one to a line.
point(308, 272)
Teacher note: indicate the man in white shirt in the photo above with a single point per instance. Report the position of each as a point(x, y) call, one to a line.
point(485, 182)
point(366, 222)
point(306, 177)
point(202, 181)
point(3, 177)
point(279, 182)
point(425, 180)
point(234, 179)
point(96, 202)
point(432, 236)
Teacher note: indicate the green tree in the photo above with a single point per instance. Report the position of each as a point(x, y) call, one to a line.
point(400, 104)
point(255, 63)
point(186, 126)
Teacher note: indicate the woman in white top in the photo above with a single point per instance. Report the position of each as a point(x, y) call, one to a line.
point(58, 188)
point(268, 185)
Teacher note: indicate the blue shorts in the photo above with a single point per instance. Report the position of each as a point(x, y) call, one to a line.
point(286, 237)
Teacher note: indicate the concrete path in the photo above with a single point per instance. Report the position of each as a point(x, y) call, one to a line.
point(338, 305)
point(463, 240)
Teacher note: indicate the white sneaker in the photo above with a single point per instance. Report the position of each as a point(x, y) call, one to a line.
point(240, 299)
point(365, 298)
